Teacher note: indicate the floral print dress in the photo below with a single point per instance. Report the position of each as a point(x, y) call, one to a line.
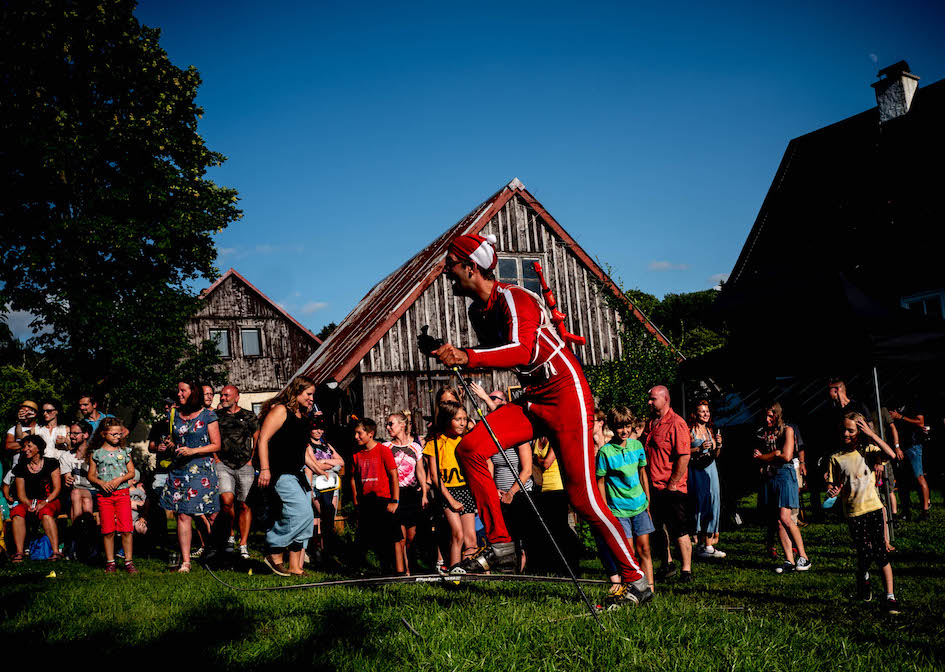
point(191, 486)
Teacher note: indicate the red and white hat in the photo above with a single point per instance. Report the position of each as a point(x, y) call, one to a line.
point(481, 249)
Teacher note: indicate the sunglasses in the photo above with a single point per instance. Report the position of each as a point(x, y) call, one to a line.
point(49, 410)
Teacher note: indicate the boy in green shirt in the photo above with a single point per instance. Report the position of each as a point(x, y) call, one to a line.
point(621, 477)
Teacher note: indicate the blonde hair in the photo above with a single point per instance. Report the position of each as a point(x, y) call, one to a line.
point(289, 397)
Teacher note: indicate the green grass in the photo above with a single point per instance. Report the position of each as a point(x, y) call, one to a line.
point(736, 615)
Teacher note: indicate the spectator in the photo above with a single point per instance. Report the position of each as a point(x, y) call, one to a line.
point(88, 407)
point(25, 425)
point(111, 470)
point(283, 439)
point(376, 489)
point(621, 477)
point(518, 516)
point(326, 485)
point(55, 435)
point(191, 488)
point(780, 486)
point(412, 478)
point(704, 488)
point(139, 504)
point(457, 499)
point(74, 467)
point(850, 474)
point(552, 503)
point(667, 455)
point(913, 433)
point(208, 393)
point(843, 404)
point(163, 459)
point(239, 431)
point(38, 484)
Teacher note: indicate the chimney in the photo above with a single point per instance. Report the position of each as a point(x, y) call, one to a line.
point(894, 91)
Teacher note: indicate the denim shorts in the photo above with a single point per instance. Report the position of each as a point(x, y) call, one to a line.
point(914, 458)
point(238, 481)
point(638, 525)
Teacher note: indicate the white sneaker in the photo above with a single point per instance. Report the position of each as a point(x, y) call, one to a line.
point(244, 552)
point(230, 545)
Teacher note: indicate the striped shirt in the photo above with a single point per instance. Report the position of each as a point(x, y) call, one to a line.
point(505, 479)
point(620, 468)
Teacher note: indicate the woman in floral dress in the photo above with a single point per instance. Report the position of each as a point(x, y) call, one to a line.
point(191, 489)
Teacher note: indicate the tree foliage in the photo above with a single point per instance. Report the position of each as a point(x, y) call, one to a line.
point(106, 209)
point(325, 331)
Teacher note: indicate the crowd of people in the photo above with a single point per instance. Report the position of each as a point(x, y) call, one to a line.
point(658, 475)
point(456, 499)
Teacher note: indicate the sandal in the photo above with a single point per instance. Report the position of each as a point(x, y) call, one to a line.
point(55, 557)
point(16, 557)
point(184, 568)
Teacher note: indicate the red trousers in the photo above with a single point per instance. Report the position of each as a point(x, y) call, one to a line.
point(561, 409)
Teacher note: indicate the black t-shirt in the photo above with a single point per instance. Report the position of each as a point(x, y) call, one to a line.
point(160, 430)
point(287, 446)
point(39, 485)
point(236, 436)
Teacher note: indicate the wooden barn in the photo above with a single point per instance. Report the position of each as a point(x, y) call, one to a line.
point(372, 357)
point(260, 342)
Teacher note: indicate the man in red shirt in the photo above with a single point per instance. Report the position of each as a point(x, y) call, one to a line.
point(515, 332)
point(667, 456)
point(376, 490)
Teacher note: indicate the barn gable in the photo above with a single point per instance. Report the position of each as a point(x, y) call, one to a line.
point(379, 335)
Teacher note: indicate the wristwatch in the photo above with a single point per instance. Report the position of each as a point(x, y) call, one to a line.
point(395, 501)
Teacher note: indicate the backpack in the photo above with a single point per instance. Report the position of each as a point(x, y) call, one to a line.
point(41, 548)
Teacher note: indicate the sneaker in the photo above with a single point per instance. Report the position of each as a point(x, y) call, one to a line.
point(667, 571)
point(685, 576)
point(277, 567)
point(487, 558)
point(803, 564)
point(244, 552)
point(196, 553)
point(111, 567)
point(130, 567)
point(786, 568)
point(230, 545)
point(892, 606)
point(707, 552)
point(864, 591)
point(120, 553)
point(628, 594)
point(173, 560)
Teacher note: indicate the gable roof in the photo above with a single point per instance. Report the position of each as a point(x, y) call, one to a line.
point(275, 306)
point(381, 307)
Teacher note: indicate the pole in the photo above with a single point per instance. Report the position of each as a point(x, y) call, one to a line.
point(887, 488)
point(528, 497)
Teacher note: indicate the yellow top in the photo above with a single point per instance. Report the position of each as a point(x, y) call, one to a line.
point(853, 471)
point(450, 473)
point(551, 478)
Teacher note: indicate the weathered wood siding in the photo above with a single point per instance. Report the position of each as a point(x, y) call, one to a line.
point(394, 370)
point(284, 347)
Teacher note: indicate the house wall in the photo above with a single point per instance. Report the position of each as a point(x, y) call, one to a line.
point(284, 347)
point(394, 372)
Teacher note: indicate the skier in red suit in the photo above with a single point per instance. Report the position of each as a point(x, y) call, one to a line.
point(516, 333)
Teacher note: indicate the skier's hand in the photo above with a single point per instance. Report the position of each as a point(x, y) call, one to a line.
point(451, 356)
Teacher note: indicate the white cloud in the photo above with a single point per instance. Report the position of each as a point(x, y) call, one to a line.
point(19, 322)
point(232, 253)
point(667, 266)
point(266, 249)
point(717, 279)
point(313, 306)
point(874, 58)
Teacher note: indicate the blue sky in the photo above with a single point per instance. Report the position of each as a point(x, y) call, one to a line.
point(357, 132)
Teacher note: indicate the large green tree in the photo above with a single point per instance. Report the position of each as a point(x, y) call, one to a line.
point(106, 210)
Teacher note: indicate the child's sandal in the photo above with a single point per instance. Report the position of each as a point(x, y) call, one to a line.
point(16, 558)
point(184, 568)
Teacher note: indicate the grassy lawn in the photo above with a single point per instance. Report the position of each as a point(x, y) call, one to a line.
point(736, 615)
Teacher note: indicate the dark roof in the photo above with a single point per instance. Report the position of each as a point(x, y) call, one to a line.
point(275, 306)
point(845, 231)
point(377, 312)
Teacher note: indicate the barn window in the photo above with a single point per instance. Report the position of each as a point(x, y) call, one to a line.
point(250, 340)
point(519, 271)
point(927, 303)
point(222, 339)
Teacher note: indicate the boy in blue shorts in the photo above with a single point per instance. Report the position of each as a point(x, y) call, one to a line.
point(621, 477)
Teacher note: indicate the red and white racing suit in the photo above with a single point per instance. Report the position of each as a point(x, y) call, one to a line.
point(515, 333)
